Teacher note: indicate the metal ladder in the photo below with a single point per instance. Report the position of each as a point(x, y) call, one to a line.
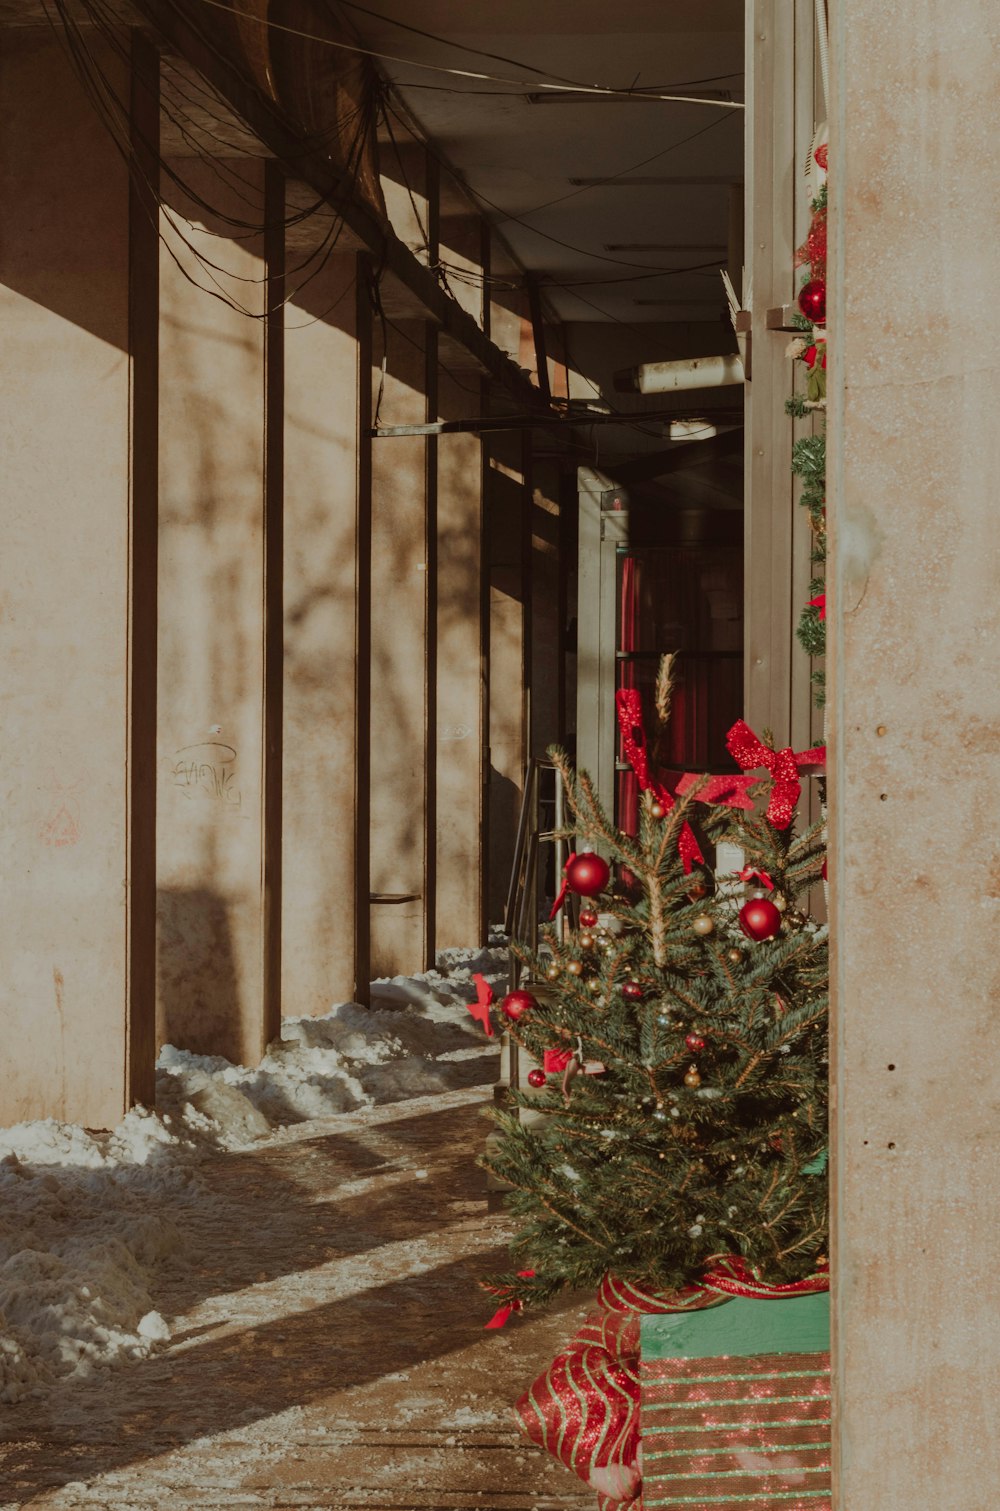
point(521, 920)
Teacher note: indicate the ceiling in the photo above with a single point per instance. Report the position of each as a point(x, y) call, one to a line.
point(524, 150)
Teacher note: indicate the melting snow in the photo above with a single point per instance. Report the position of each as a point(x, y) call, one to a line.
point(87, 1218)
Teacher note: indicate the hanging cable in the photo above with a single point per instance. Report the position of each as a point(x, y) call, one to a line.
point(114, 112)
point(466, 73)
point(483, 199)
point(624, 172)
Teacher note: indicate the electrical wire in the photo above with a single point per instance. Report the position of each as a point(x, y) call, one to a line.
point(115, 114)
point(484, 199)
point(624, 172)
point(631, 95)
point(465, 73)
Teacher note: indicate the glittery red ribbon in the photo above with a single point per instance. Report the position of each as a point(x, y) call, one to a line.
point(630, 722)
point(723, 791)
point(584, 1409)
point(783, 767)
point(563, 890)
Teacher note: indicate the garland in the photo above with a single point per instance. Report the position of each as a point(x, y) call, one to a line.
point(809, 452)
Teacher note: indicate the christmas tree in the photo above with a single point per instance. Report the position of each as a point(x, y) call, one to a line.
point(681, 1024)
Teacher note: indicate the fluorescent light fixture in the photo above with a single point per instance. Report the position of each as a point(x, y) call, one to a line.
point(571, 97)
point(646, 181)
point(665, 246)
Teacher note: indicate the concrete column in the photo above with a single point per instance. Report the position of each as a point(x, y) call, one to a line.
point(914, 624)
point(77, 542)
point(461, 732)
point(548, 607)
point(212, 907)
point(780, 124)
point(507, 501)
point(324, 363)
point(399, 590)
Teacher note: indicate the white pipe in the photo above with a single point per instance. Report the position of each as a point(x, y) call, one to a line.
point(692, 372)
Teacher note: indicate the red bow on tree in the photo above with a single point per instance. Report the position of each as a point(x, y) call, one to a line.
point(783, 767)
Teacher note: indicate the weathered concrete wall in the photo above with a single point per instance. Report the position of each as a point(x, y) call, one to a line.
point(777, 690)
point(399, 588)
point(507, 507)
point(461, 679)
point(547, 609)
point(211, 744)
point(69, 917)
point(320, 689)
point(915, 731)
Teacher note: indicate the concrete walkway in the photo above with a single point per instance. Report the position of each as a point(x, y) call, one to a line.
point(328, 1346)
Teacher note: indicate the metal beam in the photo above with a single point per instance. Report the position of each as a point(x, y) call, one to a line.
point(304, 162)
point(483, 423)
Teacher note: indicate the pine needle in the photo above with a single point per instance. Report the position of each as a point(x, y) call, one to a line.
point(665, 688)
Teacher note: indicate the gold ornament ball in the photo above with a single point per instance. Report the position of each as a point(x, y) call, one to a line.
point(735, 956)
point(553, 973)
point(780, 901)
point(795, 919)
point(703, 924)
point(586, 941)
point(692, 1078)
point(594, 984)
point(575, 967)
point(657, 810)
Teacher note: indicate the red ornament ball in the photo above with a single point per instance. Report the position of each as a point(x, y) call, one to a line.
point(694, 1042)
point(632, 990)
point(536, 1078)
point(823, 871)
point(588, 918)
point(588, 874)
point(516, 1004)
point(759, 918)
point(812, 300)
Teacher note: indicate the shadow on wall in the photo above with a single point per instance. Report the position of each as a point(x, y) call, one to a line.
point(198, 997)
point(504, 808)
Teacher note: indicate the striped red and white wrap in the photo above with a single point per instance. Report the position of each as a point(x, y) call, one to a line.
point(584, 1409)
point(736, 1433)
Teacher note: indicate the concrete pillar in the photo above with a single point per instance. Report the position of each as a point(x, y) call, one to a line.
point(324, 363)
point(914, 623)
point(780, 124)
point(77, 542)
point(399, 592)
point(461, 731)
point(212, 905)
point(507, 503)
point(548, 607)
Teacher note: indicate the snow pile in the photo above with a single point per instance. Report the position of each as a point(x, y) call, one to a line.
point(83, 1226)
point(415, 1039)
point(86, 1219)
